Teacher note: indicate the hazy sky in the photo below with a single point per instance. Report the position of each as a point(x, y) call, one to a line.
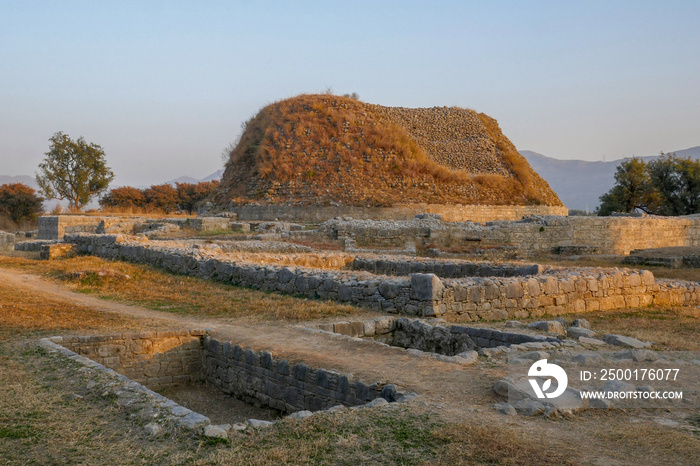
point(163, 86)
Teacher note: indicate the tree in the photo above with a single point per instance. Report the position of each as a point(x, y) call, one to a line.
point(669, 185)
point(161, 196)
point(20, 202)
point(124, 197)
point(678, 182)
point(190, 195)
point(73, 170)
point(633, 190)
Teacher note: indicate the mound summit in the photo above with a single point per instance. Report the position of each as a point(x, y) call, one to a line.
point(331, 150)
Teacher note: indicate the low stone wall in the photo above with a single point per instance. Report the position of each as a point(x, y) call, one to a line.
point(423, 336)
point(559, 291)
point(257, 377)
point(595, 235)
point(442, 268)
point(432, 338)
point(57, 226)
point(361, 288)
point(33, 246)
point(156, 359)
point(455, 339)
point(449, 213)
point(210, 223)
point(569, 291)
point(7, 241)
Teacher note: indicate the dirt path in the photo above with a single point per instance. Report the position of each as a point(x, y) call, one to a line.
point(459, 394)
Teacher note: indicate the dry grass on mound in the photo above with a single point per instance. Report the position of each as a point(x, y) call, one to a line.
point(160, 290)
point(314, 149)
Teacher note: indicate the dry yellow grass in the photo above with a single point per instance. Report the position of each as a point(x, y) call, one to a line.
point(22, 312)
point(668, 328)
point(161, 290)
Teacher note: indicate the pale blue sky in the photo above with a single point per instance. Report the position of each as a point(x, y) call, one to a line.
point(164, 86)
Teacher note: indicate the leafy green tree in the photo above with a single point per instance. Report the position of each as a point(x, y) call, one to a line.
point(73, 170)
point(677, 181)
point(20, 202)
point(633, 190)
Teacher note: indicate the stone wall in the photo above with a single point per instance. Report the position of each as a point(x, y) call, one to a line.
point(441, 339)
point(389, 265)
point(257, 377)
point(33, 246)
point(559, 291)
point(156, 359)
point(449, 213)
point(400, 294)
point(455, 339)
point(601, 235)
point(7, 241)
point(57, 226)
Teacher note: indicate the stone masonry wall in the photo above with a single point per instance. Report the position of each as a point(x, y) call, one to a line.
point(7, 241)
point(156, 359)
point(423, 336)
point(449, 213)
point(604, 235)
point(559, 291)
point(57, 226)
point(389, 265)
point(454, 339)
point(257, 377)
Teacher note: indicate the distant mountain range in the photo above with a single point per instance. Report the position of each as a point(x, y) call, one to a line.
point(188, 179)
point(580, 184)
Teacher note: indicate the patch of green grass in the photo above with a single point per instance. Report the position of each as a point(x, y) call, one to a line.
point(18, 431)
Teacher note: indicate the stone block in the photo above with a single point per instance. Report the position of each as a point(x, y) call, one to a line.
point(426, 287)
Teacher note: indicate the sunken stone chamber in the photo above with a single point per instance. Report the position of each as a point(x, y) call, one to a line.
point(161, 359)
